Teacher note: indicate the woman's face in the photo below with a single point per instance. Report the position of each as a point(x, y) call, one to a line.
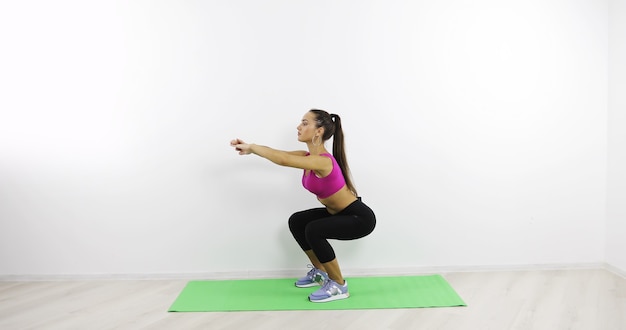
point(307, 129)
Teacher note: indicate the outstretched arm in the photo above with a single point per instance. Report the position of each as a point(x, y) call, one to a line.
point(297, 159)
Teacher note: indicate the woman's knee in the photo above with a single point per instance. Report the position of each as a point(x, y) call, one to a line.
point(301, 218)
point(294, 219)
point(297, 222)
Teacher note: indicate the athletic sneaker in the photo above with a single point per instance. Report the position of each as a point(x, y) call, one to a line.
point(330, 291)
point(313, 277)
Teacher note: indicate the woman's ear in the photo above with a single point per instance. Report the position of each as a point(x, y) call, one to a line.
point(320, 131)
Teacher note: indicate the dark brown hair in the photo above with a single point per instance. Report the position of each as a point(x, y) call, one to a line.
point(332, 128)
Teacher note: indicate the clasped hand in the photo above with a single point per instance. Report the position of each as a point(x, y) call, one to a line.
point(242, 147)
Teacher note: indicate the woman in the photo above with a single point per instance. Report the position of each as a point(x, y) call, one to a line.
point(343, 216)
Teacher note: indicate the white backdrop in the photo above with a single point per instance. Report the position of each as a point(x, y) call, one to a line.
point(476, 130)
point(616, 211)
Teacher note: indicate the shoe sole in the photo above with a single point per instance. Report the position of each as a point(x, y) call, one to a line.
point(307, 285)
point(331, 298)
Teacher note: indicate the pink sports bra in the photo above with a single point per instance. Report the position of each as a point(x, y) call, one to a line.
point(326, 186)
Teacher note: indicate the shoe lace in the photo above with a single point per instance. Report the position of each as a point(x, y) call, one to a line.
point(311, 273)
point(327, 285)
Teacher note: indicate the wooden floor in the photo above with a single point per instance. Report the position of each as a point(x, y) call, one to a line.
point(544, 300)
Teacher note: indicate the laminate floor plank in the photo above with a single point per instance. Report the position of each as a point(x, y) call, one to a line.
point(499, 300)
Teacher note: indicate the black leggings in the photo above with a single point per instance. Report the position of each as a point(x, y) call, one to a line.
point(312, 228)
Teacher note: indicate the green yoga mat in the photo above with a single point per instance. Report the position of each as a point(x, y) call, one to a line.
point(281, 294)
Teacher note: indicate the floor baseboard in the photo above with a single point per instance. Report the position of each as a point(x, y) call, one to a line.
point(255, 274)
point(615, 270)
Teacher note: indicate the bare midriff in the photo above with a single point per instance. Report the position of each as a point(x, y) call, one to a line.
point(338, 201)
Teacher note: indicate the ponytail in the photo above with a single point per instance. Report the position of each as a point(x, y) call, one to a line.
point(332, 127)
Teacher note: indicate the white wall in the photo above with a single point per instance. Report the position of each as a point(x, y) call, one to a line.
point(476, 130)
point(616, 209)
